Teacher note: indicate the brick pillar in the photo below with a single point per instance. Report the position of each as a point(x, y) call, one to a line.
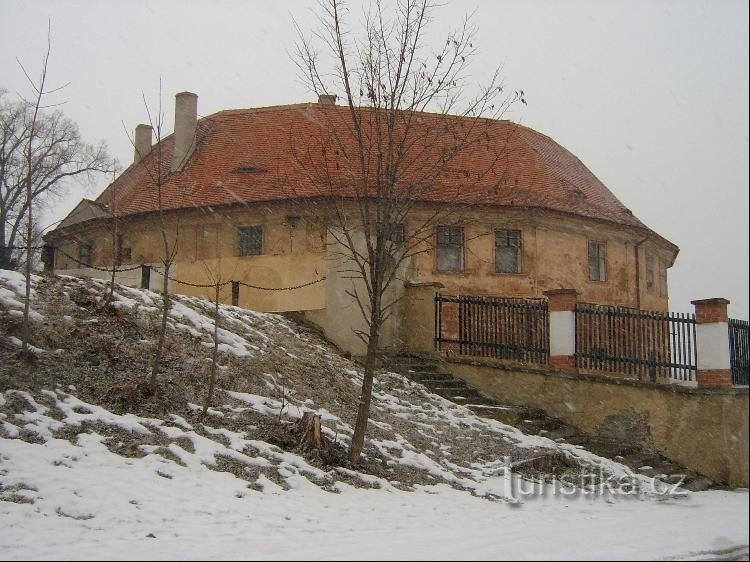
point(712, 343)
point(562, 329)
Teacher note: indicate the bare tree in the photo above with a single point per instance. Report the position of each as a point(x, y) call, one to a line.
point(41, 151)
point(157, 171)
point(50, 148)
point(395, 148)
point(115, 238)
point(214, 274)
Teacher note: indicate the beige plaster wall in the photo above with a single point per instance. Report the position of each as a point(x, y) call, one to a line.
point(554, 255)
point(342, 316)
point(207, 247)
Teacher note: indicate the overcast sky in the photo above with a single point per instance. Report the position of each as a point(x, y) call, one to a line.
point(652, 96)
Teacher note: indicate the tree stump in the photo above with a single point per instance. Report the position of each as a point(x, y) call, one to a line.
point(309, 428)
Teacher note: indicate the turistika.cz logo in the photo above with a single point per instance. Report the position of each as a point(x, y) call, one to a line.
point(585, 483)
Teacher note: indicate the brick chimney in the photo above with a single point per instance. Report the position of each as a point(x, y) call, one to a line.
point(142, 142)
point(327, 99)
point(185, 124)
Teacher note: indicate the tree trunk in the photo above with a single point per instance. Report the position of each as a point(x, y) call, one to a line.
point(29, 243)
point(311, 435)
point(212, 381)
point(163, 329)
point(363, 413)
point(115, 247)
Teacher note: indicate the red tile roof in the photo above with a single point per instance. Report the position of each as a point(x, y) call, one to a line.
point(285, 150)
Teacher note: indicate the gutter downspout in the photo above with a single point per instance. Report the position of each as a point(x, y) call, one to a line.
point(638, 272)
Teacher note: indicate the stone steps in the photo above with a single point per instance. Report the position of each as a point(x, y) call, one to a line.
point(533, 421)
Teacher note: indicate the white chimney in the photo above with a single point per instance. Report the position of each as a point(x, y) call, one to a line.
point(185, 124)
point(142, 142)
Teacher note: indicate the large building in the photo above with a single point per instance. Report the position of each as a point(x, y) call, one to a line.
point(240, 202)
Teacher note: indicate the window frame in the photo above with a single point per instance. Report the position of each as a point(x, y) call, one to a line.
point(519, 250)
point(663, 279)
point(401, 229)
point(439, 246)
point(601, 260)
point(89, 254)
point(650, 277)
point(123, 254)
point(241, 247)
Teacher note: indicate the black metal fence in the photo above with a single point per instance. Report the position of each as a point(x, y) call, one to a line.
point(652, 346)
point(501, 328)
point(739, 352)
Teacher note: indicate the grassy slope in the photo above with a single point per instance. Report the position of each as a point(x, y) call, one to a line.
point(90, 364)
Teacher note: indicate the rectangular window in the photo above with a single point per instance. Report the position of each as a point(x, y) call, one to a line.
point(84, 255)
point(123, 253)
point(206, 242)
point(397, 235)
point(597, 263)
point(450, 248)
point(508, 251)
point(251, 240)
point(649, 272)
point(663, 266)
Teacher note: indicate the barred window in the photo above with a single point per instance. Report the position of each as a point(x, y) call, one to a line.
point(663, 265)
point(649, 272)
point(450, 248)
point(84, 254)
point(251, 240)
point(397, 235)
point(597, 263)
point(123, 253)
point(508, 251)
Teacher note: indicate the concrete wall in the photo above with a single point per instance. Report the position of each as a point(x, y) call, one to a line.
point(705, 430)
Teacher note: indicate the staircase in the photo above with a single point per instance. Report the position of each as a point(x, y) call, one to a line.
point(529, 420)
point(534, 421)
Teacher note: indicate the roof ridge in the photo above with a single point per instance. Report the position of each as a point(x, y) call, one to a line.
point(343, 107)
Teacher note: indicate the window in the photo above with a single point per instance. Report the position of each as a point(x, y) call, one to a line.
point(397, 235)
point(251, 240)
point(450, 248)
point(508, 251)
point(206, 242)
point(649, 272)
point(84, 255)
point(597, 264)
point(663, 265)
point(123, 254)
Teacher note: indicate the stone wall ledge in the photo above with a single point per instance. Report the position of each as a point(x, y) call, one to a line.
point(503, 365)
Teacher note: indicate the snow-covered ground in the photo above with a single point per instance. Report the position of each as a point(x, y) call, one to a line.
point(92, 504)
point(211, 488)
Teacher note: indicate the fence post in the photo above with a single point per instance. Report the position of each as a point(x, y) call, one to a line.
point(418, 326)
point(562, 329)
point(712, 343)
point(48, 257)
point(145, 276)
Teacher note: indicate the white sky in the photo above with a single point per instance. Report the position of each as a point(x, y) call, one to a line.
point(651, 95)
